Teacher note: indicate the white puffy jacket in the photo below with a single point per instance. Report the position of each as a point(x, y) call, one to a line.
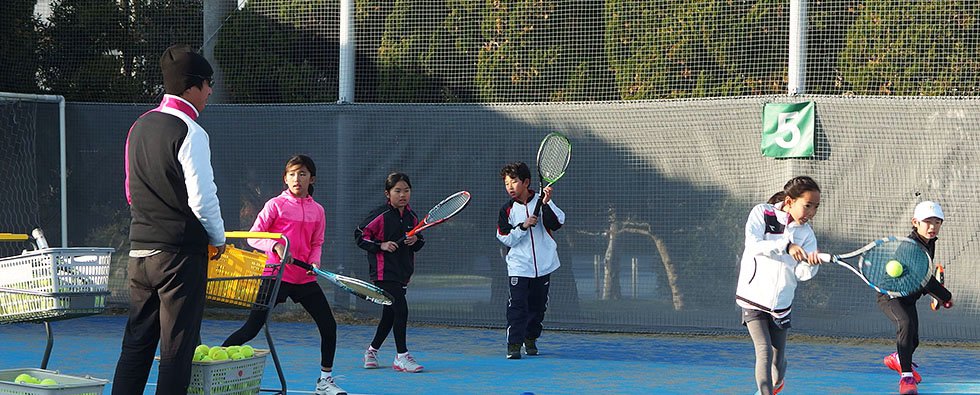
point(768, 275)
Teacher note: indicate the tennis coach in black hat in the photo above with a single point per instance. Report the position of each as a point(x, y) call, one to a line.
point(175, 216)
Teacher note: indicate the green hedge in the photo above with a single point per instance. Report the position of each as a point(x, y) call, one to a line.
point(282, 51)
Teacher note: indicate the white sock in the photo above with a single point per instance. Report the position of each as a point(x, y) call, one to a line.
point(371, 348)
point(402, 355)
point(907, 374)
point(324, 375)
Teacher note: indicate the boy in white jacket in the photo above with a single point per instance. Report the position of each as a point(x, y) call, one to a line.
point(531, 257)
point(780, 250)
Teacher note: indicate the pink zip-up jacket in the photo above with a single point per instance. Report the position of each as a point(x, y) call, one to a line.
point(302, 220)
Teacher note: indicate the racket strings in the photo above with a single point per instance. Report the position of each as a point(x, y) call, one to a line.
point(554, 157)
point(915, 264)
point(449, 207)
point(364, 289)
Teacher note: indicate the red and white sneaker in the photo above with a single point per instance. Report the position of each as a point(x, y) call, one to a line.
point(776, 390)
point(891, 361)
point(370, 358)
point(907, 386)
point(406, 364)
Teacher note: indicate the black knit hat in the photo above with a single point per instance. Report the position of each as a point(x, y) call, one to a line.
point(183, 68)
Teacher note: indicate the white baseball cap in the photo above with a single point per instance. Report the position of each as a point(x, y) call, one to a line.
point(928, 209)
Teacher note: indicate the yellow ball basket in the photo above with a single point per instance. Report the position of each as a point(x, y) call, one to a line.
point(234, 280)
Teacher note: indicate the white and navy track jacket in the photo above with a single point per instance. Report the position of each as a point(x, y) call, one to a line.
point(533, 252)
point(768, 275)
point(170, 183)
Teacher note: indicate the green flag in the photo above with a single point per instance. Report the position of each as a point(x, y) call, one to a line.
point(787, 130)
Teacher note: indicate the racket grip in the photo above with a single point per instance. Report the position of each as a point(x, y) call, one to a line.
point(824, 257)
point(302, 264)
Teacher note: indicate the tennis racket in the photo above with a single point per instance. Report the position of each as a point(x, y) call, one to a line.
point(873, 259)
point(441, 212)
point(361, 288)
point(553, 156)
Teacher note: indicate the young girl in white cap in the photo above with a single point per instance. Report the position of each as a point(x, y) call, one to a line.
point(927, 219)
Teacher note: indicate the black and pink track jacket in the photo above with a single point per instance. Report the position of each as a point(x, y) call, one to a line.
point(386, 224)
point(170, 183)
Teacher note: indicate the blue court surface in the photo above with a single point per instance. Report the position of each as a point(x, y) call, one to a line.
point(471, 361)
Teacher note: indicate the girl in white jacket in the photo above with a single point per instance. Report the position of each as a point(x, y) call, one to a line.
point(780, 250)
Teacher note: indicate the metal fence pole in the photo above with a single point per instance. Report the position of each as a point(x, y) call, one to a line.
point(348, 53)
point(796, 83)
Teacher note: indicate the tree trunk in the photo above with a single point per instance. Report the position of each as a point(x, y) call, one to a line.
point(677, 297)
point(675, 291)
point(610, 278)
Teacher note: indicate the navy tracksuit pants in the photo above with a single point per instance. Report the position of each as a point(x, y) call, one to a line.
point(526, 306)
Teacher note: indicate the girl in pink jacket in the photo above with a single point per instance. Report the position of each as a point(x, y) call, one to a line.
point(296, 215)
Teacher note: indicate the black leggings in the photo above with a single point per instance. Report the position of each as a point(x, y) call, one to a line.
point(904, 315)
point(311, 297)
point(394, 316)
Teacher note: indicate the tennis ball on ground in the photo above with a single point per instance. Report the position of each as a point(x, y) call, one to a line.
point(894, 268)
point(48, 382)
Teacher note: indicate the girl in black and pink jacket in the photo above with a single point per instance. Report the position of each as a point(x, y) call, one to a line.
point(391, 262)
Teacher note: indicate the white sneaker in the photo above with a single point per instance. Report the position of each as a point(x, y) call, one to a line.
point(326, 386)
point(370, 359)
point(406, 364)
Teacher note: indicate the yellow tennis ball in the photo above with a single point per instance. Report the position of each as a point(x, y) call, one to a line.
point(894, 268)
point(23, 378)
point(48, 382)
point(221, 355)
point(214, 351)
point(203, 349)
point(247, 351)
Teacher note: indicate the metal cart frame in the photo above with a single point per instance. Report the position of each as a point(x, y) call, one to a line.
point(264, 298)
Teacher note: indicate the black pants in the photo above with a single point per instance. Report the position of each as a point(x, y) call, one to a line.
point(308, 295)
point(526, 306)
point(166, 305)
point(903, 314)
point(393, 317)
